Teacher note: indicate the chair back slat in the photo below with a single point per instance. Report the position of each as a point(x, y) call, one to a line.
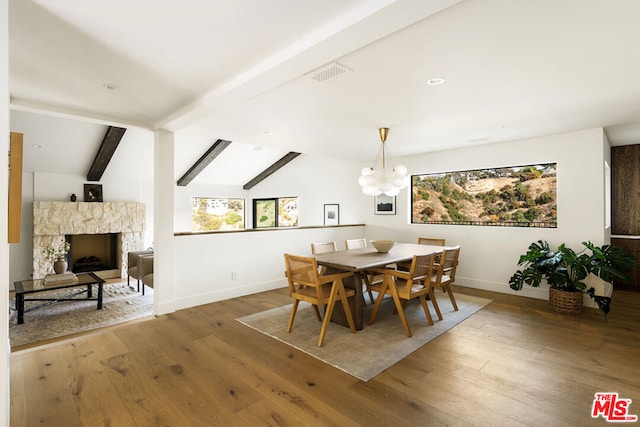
point(323, 248)
point(433, 241)
point(450, 262)
point(422, 266)
point(421, 269)
point(303, 271)
point(355, 243)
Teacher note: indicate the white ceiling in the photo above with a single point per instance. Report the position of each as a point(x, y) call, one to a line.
point(239, 70)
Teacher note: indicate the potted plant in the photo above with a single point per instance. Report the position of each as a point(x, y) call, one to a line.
point(58, 255)
point(566, 272)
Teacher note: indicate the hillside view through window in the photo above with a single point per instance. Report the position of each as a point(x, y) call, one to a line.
point(522, 196)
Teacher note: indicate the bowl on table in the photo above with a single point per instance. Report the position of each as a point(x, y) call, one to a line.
point(383, 246)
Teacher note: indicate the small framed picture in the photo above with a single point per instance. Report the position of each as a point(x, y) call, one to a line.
point(384, 205)
point(331, 214)
point(93, 192)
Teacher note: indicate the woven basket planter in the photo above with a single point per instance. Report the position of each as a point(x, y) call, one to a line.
point(565, 302)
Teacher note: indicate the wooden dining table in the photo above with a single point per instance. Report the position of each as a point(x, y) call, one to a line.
point(359, 260)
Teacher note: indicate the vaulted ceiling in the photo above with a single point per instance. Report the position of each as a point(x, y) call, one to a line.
point(248, 71)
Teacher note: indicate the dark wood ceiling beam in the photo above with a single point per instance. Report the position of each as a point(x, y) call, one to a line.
point(204, 161)
point(108, 146)
point(271, 170)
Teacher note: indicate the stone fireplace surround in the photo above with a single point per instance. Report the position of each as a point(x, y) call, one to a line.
point(53, 220)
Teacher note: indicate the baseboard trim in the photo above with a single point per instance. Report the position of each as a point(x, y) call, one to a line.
point(228, 293)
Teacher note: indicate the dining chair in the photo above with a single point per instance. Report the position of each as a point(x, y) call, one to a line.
point(355, 243)
point(407, 285)
point(323, 248)
point(305, 284)
point(368, 277)
point(433, 241)
point(445, 272)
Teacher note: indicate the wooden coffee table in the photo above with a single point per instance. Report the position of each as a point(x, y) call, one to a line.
point(86, 281)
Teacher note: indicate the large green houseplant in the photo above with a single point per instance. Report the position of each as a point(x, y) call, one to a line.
point(566, 270)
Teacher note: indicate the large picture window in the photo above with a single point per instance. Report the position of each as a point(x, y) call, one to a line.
point(208, 214)
point(518, 196)
point(275, 212)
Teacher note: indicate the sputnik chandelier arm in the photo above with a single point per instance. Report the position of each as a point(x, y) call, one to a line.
point(385, 179)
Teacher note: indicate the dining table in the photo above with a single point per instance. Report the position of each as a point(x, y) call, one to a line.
point(358, 261)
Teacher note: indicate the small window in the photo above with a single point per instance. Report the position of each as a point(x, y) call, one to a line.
point(276, 212)
point(209, 214)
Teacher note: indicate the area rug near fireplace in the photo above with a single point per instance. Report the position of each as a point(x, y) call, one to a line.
point(370, 351)
point(120, 303)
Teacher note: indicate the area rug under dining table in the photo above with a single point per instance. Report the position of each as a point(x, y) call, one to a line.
point(370, 351)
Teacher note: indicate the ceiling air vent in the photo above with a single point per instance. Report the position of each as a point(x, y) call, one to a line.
point(327, 72)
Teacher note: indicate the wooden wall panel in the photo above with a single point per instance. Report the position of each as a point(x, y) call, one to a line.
point(15, 187)
point(625, 190)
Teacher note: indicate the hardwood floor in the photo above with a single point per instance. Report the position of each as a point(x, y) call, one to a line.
point(513, 363)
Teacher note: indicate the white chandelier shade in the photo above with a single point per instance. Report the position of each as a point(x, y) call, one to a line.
point(382, 177)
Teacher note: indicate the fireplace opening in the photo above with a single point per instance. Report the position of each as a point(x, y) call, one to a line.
point(93, 252)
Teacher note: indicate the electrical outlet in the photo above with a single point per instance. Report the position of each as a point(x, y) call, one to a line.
point(234, 275)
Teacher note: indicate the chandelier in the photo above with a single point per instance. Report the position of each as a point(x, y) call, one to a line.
point(384, 179)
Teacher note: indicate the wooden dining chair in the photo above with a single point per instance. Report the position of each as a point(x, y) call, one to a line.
point(367, 276)
point(323, 248)
point(305, 284)
point(407, 285)
point(355, 243)
point(433, 241)
point(445, 272)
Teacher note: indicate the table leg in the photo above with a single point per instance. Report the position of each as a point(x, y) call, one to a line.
point(99, 296)
point(20, 308)
point(89, 291)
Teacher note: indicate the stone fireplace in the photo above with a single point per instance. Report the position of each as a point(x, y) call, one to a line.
point(54, 222)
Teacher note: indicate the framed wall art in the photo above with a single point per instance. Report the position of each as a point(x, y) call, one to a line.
point(384, 205)
point(331, 214)
point(93, 192)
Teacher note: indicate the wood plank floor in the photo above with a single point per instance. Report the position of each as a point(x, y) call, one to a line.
point(513, 363)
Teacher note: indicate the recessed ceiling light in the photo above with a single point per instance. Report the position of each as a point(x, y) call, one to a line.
point(110, 86)
point(36, 145)
point(435, 81)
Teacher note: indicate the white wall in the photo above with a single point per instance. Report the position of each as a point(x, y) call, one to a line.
point(204, 263)
point(489, 255)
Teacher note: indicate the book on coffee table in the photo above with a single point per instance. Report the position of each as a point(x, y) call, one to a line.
point(60, 279)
